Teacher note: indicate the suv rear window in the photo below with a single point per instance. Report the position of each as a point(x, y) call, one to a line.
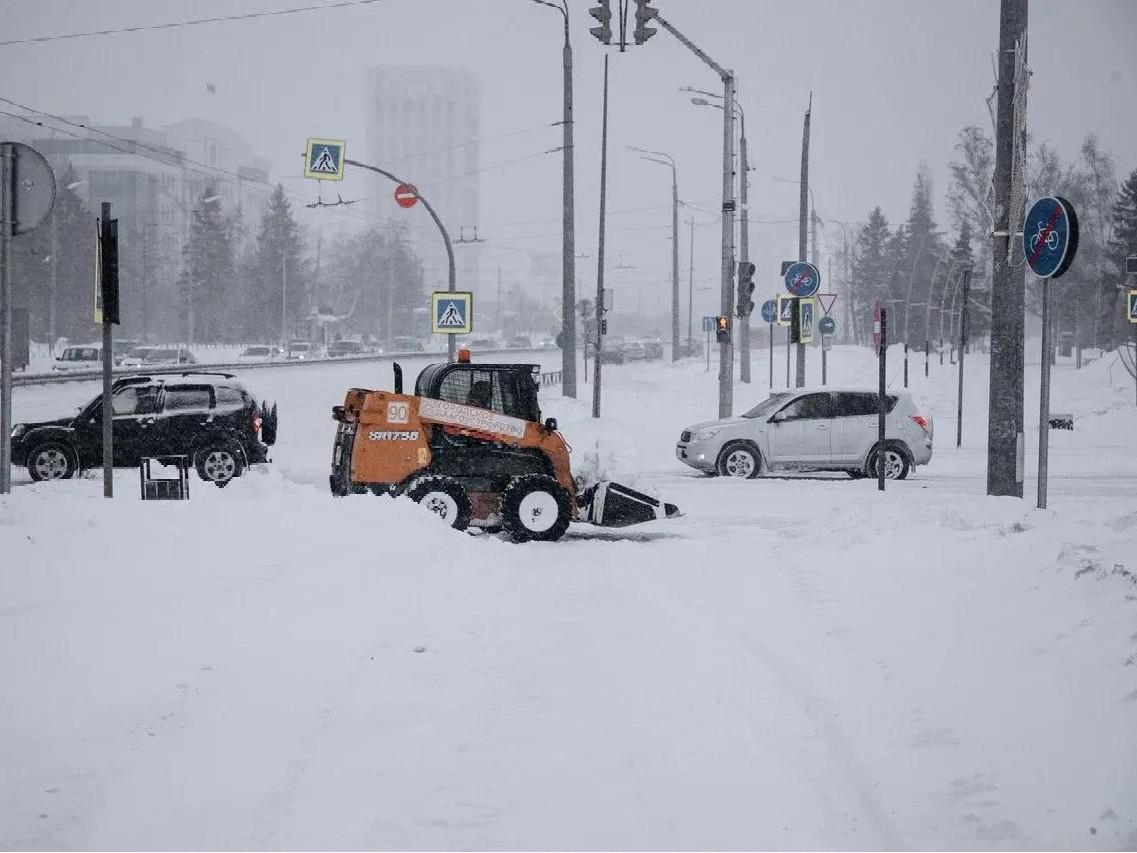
point(853, 405)
point(184, 398)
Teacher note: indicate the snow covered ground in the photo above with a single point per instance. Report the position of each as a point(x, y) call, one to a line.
point(795, 663)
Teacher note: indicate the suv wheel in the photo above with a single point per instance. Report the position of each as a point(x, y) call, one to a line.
point(51, 460)
point(535, 507)
point(896, 464)
point(445, 497)
point(218, 464)
point(739, 459)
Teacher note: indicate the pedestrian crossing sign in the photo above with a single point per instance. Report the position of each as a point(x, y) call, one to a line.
point(1132, 305)
point(452, 312)
point(785, 309)
point(323, 159)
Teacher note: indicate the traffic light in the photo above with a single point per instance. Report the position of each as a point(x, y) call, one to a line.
point(722, 328)
point(603, 327)
point(745, 288)
point(603, 14)
point(644, 13)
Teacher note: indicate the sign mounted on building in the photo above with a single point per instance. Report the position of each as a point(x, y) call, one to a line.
point(324, 159)
point(452, 312)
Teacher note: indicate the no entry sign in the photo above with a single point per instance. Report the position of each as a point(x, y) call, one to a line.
point(406, 195)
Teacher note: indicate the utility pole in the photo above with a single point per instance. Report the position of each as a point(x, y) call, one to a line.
point(7, 226)
point(744, 246)
point(1005, 422)
point(726, 348)
point(802, 212)
point(600, 250)
point(54, 283)
point(667, 160)
point(963, 330)
point(690, 281)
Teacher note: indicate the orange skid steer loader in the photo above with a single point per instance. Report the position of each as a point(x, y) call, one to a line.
point(470, 446)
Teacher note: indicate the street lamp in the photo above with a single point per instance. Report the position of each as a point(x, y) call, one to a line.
point(568, 226)
point(665, 159)
point(744, 224)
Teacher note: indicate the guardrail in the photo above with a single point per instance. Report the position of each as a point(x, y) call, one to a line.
point(553, 377)
point(234, 367)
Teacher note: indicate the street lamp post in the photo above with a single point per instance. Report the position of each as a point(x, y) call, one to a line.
point(669, 161)
point(568, 220)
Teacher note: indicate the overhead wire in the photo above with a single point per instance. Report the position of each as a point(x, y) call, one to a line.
point(322, 7)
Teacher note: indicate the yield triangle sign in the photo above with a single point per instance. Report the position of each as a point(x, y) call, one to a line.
point(826, 300)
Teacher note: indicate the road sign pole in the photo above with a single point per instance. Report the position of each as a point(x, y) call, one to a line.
point(963, 331)
point(882, 361)
point(771, 356)
point(824, 361)
point(7, 198)
point(788, 336)
point(707, 348)
point(1044, 398)
point(927, 347)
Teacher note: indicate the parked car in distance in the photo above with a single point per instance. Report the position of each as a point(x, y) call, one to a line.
point(653, 349)
point(612, 352)
point(634, 351)
point(159, 356)
point(137, 356)
point(482, 344)
point(404, 344)
point(519, 342)
point(812, 429)
point(302, 351)
point(340, 349)
point(258, 353)
point(549, 343)
point(208, 417)
point(120, 349)
point(78, 358)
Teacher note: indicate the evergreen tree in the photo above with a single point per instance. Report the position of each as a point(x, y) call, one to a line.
point(1122, 244)
point(279, 272)
point(918, 264)
point(207, 281)
point(868, 273)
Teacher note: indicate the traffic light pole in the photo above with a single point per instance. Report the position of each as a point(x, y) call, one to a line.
point(726, 349)
point(7, 224)
point(451, 345)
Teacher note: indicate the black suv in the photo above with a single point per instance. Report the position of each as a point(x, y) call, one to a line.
point(208, 417)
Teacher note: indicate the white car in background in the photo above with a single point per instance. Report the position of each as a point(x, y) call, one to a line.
point(79, 358)
point(260, 353)
point(168, 356)
point(136, 357)
point(303, 351)
point(812, 429)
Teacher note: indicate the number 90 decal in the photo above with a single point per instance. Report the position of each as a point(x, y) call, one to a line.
point(398, 413)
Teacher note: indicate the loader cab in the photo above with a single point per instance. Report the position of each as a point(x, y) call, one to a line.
point(508, 389)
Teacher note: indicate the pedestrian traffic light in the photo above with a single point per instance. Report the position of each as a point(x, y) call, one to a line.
point(722, 328)
point(644, 13)
point(603, 327)
point(602, 13)
point(745, 288)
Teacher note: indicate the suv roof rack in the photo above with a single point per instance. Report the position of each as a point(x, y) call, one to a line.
point(210, 373)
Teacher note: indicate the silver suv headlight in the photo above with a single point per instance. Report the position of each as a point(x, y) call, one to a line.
point(704, 434)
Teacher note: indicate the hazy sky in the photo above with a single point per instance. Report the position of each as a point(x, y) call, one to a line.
point(893, 81)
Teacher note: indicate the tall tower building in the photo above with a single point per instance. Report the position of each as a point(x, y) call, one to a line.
point(422, 124)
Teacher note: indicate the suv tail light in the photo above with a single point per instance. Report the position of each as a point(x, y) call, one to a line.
point(256, 421)
point(921, 421)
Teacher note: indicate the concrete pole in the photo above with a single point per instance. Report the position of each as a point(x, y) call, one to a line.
point(691, 280)
point(568, 232)
point(744, 246)
point(802, 214)
point(674, 264)
point(7, 223)
point(1005, 421)
point(726, 350)
point(600, 250)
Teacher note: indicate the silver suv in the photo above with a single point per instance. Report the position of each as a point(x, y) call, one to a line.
point(812, 429)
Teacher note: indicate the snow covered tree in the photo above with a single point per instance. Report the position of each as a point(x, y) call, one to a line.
point(277, 271)
point(207, 281)
point(868, 273)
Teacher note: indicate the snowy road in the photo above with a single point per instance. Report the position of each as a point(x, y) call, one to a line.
point(795, 663)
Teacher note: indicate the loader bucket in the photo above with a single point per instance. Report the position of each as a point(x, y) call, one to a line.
point(614, 505)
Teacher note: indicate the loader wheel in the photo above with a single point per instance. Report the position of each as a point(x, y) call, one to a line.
point(535, 507)
point(445, 497)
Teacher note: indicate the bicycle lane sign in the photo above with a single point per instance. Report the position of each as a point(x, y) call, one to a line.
point(1050, 236)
